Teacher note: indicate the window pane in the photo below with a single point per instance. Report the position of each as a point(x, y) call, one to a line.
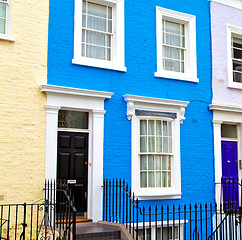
point(164, 179)
point(169, 163)
point(143, 163)
point(158, 128)
point(173, 53)
point(158, 144)
point(173, 40)
point(2, 25)
point(168, 179)
point(151, 143)
point(83, 50)
point(95, 38)
point(238, 52)
point(158, 179)
point(151, 127)
point(172, 65)
point(96, 10)
point(143, 127)
point(143, 144)
point(109, 54)
point(109, 26)
point(237, 77)
point(2, 10)
point(228, 131)
point(170, 145)
point(164, 163)
point(169, 129)
point(95, 52)
point(151, 162)
point(73, 119)
point(84, 6)
point(96, 23)
point(172, 27)
point(84, 23)
point(158, 162)
point(165, 144)
point(151, 179)
point(143, 179)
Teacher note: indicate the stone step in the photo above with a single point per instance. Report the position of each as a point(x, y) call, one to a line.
point(87, 231)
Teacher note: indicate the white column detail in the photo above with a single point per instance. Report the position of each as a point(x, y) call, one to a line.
point(97, 164)
point(51, 141)
point(217, 159)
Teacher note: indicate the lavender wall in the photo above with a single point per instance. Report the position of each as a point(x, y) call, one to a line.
point(221, 16)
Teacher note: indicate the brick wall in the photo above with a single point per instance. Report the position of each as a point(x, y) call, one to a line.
point(22, 123)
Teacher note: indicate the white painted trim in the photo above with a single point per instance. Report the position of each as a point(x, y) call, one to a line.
point(118, 44)
point(190, 43)
point(231, 3)
point(74, 91)
point(98, 63)
point(161, 105)
point(226, 108)
point(154, 104)
point(83, 100)
point(7, 38)
point(177, 76)
point(232, 31)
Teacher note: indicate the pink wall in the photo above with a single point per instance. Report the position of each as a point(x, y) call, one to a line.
point(222, 15)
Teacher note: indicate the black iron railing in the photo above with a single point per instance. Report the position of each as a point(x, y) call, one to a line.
point(229, 191)
point(50, 219)
point(187, 221)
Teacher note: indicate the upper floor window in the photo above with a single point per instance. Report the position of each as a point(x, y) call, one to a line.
point(97, 30)
point(5, 20)
point(173, 46)
point(99, 34)
point(237, 59)
point(176, 45)
point(234, 53)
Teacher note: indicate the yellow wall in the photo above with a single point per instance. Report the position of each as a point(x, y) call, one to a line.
point(23, 68)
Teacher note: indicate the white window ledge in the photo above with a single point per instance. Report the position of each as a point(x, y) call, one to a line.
point(7, 38)
point(178, 76)
point(236, 85)
point(99, 64)
point(157, 195)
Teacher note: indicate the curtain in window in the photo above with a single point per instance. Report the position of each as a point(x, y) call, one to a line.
point(155, 145)
point(2, 17)
point(97, 29)
point(173, 46)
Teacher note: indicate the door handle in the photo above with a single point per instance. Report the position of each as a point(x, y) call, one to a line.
point(228, 161)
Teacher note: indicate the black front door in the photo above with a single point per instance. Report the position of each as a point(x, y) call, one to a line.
point(72, 164)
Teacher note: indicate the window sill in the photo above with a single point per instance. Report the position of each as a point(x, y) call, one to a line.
point(235, 85)
point(99, 64)
point(157, 195)
point(7, 38)
point(176, 76)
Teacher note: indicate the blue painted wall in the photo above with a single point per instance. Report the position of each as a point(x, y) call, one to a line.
point(197, 167)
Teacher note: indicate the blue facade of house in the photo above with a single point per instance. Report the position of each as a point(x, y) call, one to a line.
point(196, 134)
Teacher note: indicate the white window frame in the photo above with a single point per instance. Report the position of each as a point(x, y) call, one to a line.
point(177, 223)
point(232, 31)
point(117, 58)
point(7, 34)
point(156, 105)
point(190, 55)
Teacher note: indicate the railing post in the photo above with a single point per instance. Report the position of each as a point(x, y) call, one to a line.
point(24, 222)
point(74, 226)
point(137, 220)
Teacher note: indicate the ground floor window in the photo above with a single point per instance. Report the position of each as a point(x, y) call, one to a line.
point(160, 233)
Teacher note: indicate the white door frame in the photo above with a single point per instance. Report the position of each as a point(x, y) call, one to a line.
point(84, 100)
point(229, 115)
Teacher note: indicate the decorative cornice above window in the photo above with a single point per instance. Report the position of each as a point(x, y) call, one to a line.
point(74, 91)
point(154, 104)
point(225, 108)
